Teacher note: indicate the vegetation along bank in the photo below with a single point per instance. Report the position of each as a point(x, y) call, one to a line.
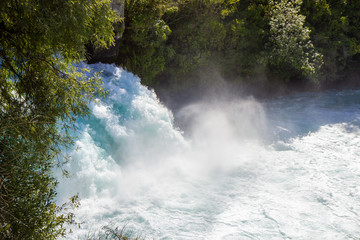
point(265, 46)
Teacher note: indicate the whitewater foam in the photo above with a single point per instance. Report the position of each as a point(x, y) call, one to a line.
point(245, 170)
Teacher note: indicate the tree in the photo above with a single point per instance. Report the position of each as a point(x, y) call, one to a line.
point(290, 48)
point(41, 94)
point(142, 47)
point(197, 36)
point(247, 34)
point(334, 32)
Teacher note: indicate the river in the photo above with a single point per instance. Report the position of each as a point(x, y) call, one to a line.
point(285, 168)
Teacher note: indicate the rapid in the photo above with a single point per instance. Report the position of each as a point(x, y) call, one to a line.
point(285, 168)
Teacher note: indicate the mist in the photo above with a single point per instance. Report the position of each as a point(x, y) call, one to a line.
point(226, 168)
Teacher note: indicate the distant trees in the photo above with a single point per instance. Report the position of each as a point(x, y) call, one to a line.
point(334, 33)
point(41, 94)
point(247, 23)
point(244, 40)
point(198, 33)
point(143, 47)
point(290, 49)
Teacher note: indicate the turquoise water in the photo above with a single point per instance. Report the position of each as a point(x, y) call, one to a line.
point(288, 168)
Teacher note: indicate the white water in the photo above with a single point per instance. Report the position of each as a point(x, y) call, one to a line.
point(285, 169)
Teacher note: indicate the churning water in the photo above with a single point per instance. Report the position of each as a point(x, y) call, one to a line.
point(288, 168)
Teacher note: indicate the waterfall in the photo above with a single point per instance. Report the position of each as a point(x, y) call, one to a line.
point(244, 169)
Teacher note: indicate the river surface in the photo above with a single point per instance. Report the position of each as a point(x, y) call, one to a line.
point(287, 168)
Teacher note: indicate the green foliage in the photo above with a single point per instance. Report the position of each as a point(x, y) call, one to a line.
point(289, 43)
point(143, 49)
point(197, 32)
point(247, 34)
point(197, 37)
point(335, 32)
point(41, 94)
point(170, 42)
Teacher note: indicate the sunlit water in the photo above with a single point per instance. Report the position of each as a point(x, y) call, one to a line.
point(288, 168)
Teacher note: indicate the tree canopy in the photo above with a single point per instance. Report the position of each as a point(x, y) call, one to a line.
point(271, 42)
point(41, 94)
